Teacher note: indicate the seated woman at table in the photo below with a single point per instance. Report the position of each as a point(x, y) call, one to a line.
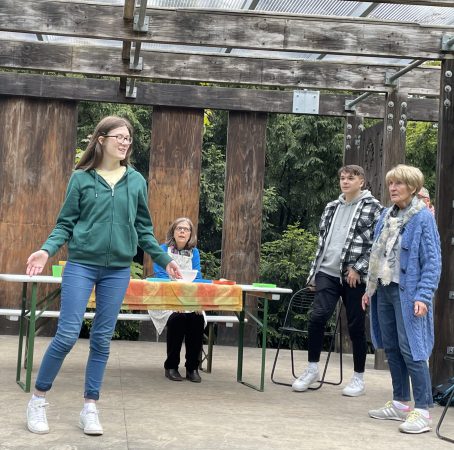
point(180, 245)
point(102, 232)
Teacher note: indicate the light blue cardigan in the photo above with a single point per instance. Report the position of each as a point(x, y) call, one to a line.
point(420, 267)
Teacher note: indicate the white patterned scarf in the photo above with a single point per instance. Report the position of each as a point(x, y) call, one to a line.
point(382, 257)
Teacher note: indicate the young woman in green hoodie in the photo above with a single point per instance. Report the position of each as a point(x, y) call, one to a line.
point(103, 219)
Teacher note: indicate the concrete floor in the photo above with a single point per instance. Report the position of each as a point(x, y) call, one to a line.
point(140, 409)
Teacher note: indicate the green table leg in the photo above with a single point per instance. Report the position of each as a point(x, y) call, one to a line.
point(27, 331)
point(21, 335)
point(264, 326)
point(239, 372)
point(210, 346)
point(31, 337)
point(28, 357)
point(264, 332)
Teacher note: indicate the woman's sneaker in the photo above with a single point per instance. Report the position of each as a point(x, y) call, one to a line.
point(36, 416)
point(416, 423)
point(89, 420)
point(303, 382)
point(389, 412)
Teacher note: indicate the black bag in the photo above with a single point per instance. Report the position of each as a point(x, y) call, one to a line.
point(442, 392)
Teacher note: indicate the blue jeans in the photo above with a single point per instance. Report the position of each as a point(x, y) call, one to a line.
point(77, 285)
point(397, 350)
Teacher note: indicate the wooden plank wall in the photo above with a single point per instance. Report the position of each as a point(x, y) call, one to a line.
point(37, 147)
point(175, 164)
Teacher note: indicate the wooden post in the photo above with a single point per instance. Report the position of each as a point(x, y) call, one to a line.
point(393, 153)
point(241, 234)
point(395, 127)
point(37, 149)
point(175, 164)
point(371, 151)
point(444, 302)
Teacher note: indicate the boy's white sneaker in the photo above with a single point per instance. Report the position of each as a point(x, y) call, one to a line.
point(307, 378)
point(355, 388)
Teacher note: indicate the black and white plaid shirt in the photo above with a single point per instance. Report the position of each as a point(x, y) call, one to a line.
point(358, 243)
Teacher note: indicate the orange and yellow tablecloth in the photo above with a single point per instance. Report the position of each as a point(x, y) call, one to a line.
point(173, 295)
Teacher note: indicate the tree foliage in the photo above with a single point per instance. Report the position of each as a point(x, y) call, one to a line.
point(421, 151)
point(303, 156)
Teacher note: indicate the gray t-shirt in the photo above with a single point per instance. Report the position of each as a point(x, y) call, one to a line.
point(337, 235)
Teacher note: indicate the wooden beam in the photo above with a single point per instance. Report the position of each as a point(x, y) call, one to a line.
point(190, 96)
point(213, 68)
point(236, 29)
point(447, 3)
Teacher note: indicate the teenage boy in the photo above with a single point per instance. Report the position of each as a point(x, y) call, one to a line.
point(339, 270)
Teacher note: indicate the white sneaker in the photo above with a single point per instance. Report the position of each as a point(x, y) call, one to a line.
point(36, 416)
point(307, 378)
point(416, 423)
point(89, 420)
point(355, 388)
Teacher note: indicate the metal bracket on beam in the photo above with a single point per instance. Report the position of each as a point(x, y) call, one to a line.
point(447, 43)
point(306, 102)
point(350, 104)
point(451, 295)
point(141, 21)
point(145, 24)
point(390, 79)
point(131, 90)
point(136, 61)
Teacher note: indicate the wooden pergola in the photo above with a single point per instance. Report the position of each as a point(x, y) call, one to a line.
point(38, 111)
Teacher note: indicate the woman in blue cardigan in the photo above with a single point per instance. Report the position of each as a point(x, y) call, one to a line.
point(404, 271)
point(180, 245)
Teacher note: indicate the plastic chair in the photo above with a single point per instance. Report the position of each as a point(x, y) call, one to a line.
point(296, 323)
point(445, 410)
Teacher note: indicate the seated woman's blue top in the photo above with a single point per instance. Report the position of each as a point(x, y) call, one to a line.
point(159, 272)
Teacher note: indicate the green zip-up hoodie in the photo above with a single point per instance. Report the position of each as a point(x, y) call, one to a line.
point(104, 225)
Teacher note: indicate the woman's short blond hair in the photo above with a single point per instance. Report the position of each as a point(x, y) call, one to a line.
point(409, 175)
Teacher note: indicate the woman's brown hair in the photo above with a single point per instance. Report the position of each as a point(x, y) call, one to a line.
point(93, 154)
point(170, 240)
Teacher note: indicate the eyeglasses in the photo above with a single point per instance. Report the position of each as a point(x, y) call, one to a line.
point(185, 229)
point(120, 138)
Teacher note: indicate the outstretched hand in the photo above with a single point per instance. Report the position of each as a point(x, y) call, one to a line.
point(173, 270)
point(36, 262)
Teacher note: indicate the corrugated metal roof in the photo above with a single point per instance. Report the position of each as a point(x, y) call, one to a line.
point(405, 13)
